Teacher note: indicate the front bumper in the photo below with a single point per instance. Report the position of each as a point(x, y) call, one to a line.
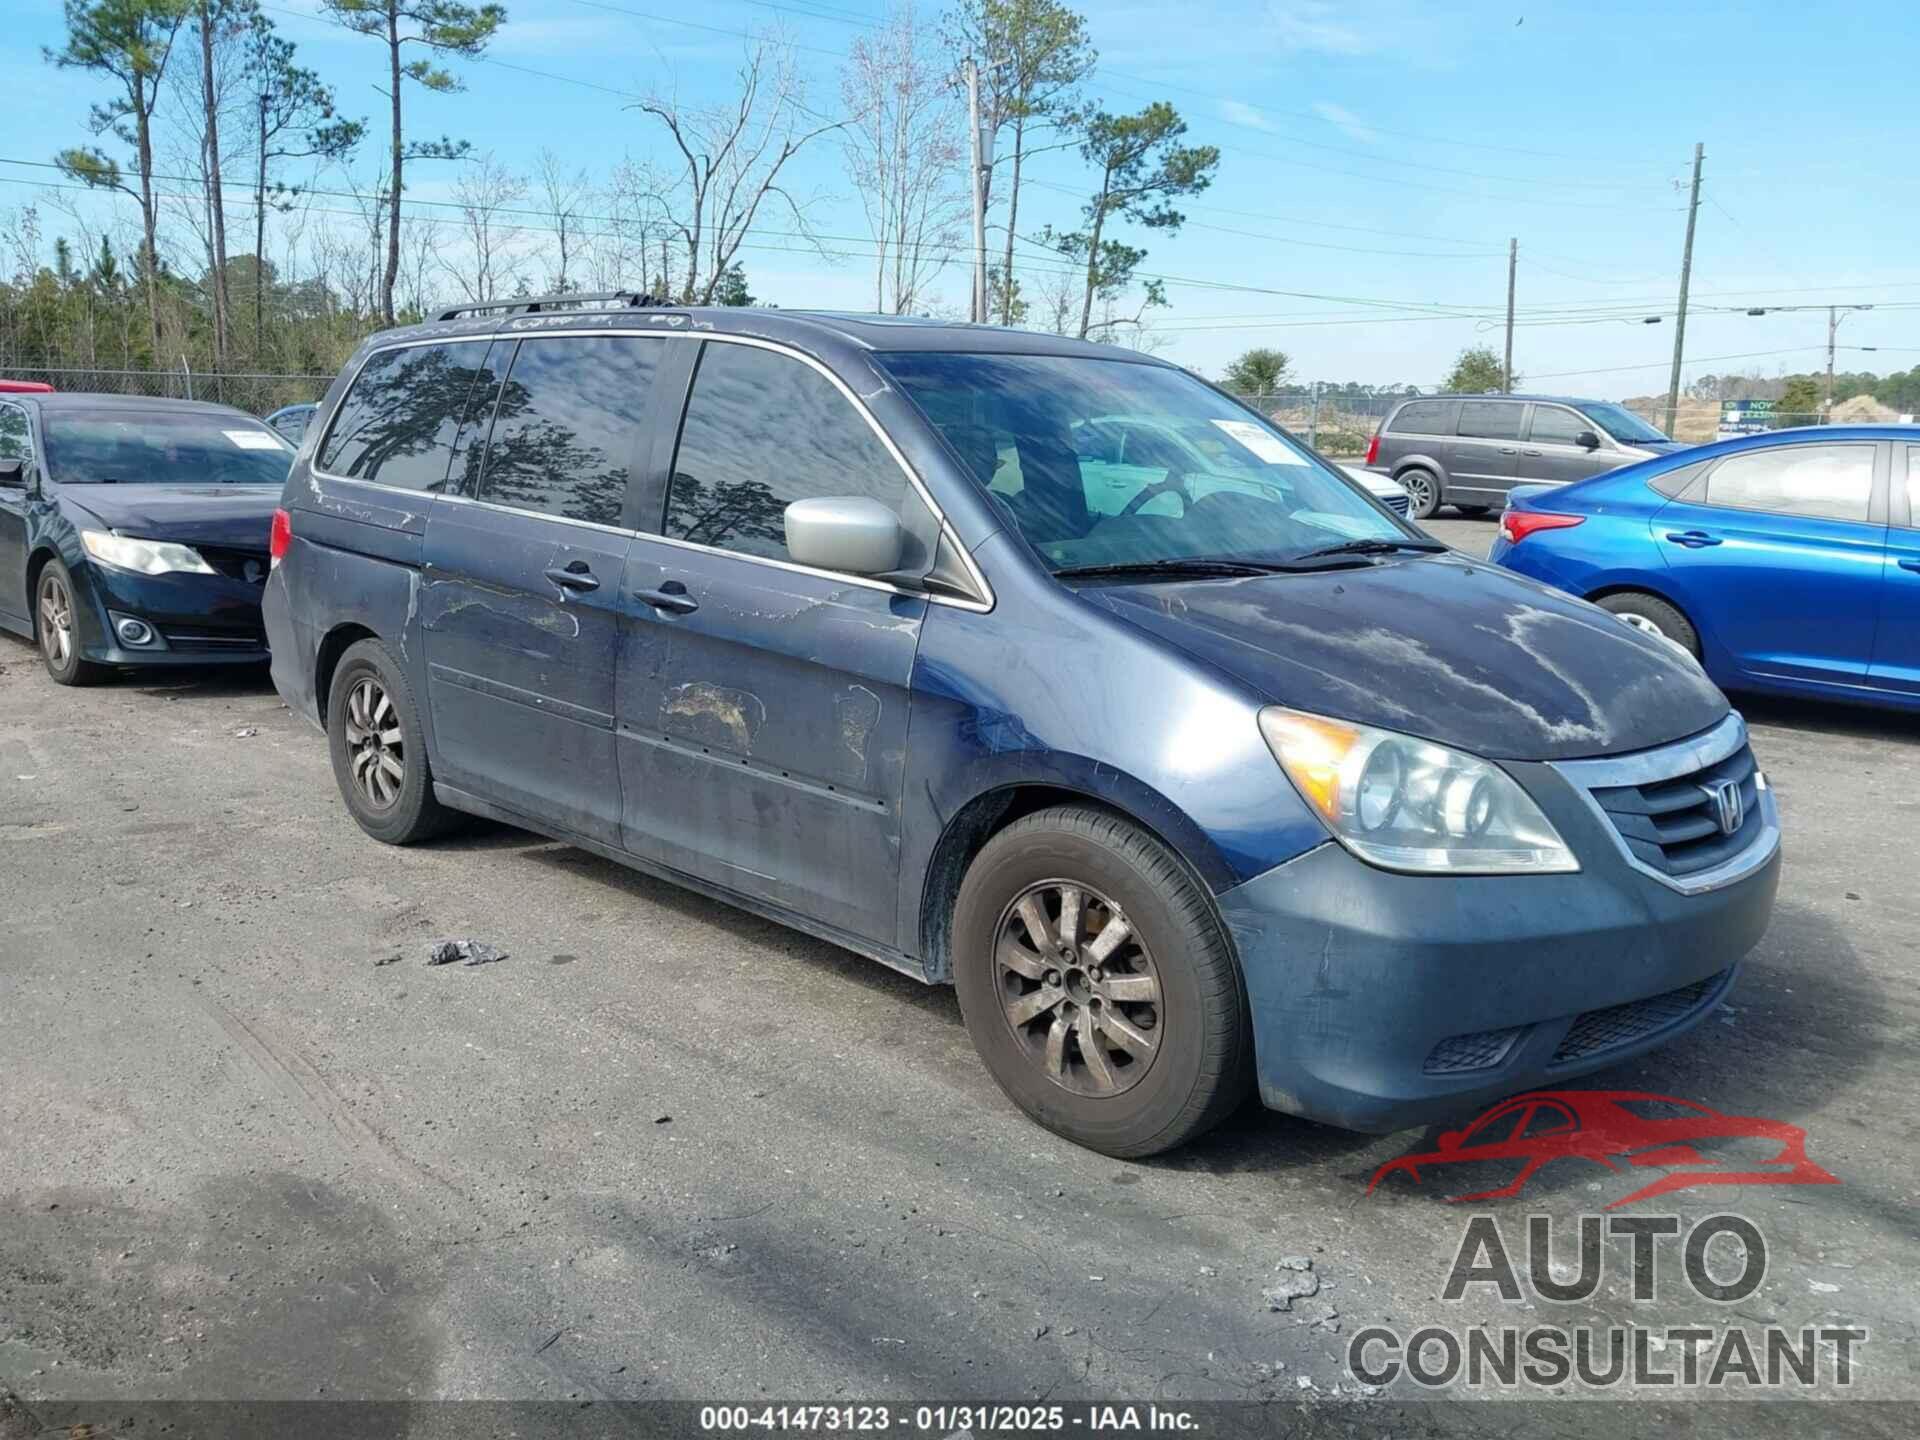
point(1383, 1000)
point(199, 619)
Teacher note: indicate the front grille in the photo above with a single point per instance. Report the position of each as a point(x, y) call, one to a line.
point(1673, 825)
point(1598, 1031)
point(1480, 1050)
point(208, 642)
point(1400, 503)
point(248, 565)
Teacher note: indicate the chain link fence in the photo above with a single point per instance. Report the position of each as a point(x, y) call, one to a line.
point(1337, 423)
point(257, 393)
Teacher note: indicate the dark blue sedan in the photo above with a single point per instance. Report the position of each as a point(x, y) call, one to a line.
point(1787, 562)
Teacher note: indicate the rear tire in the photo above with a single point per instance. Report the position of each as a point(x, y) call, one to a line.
point(56, 628)
point(1122, 1026)
point(1423, 492)
point(379, 748)
point(1652, 614)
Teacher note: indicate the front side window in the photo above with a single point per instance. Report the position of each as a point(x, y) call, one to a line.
point(1623, 425)
point(1197, 477)
point(1913, 486)
point(1490, 419)
point(567, 424)
point(763, 430)
point(396, 425)
point(1825, 482)
point(16, 434)
point(163, 447)
point(1554, 426)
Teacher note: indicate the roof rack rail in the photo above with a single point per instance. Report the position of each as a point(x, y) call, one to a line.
point(539, 304)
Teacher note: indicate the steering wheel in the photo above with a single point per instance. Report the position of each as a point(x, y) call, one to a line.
point(1173, 483)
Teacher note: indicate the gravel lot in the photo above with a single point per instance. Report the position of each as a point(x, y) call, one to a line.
point(666, 1150)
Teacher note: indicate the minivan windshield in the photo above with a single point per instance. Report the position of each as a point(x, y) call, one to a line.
point(160, 447)
point(1112, 464)
point(1622, 424)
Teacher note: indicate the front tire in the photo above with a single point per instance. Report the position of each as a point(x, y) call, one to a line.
point(379, 748)
point(56, 626)
point(1655, 616)
point(1098, 985)
point(1423, 492)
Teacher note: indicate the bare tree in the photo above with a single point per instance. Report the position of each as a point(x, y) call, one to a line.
point(730, 159)
point(488, 195)
point(903, 153)
point(564, 194)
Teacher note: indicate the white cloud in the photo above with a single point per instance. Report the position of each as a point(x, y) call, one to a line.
point(1318, 25)
point(1406, 30)
point(1350, 124)
point(1237, 112)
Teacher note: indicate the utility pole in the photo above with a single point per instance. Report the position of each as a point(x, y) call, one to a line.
point(1686, 274)
point(1513, 262)
point(1833, 324)
point(979, 175)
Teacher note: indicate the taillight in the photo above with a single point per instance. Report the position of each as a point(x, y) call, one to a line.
point(1373, 449)
point(279, 537)
point(1516, 525)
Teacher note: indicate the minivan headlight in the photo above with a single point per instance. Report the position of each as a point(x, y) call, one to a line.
point(1407, 804)
point(144, 557)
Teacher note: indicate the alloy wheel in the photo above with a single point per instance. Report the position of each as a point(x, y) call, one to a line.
point(1078, 988)
point(1419, 492)
point(56, 622)
point(376, 753)
point(1640, 622)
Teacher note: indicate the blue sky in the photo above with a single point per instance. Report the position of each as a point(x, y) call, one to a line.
point(1376, 157)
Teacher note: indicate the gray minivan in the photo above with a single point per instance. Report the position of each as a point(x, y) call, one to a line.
point(1469, 450)
point(1192, 775)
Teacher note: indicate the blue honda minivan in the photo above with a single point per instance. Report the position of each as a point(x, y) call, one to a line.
point(1188, 775)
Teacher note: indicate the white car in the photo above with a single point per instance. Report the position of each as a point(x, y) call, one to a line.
point(1389, 493)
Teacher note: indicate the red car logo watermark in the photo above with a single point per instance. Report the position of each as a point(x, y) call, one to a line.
point(1615, 1128)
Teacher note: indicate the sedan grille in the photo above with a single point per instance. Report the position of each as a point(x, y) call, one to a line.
point(1598, 1031)
point(1480, 1050)
point(1398, 503)
point(248, 565)
point(1677, 826)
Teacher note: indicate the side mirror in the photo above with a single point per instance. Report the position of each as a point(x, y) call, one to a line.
point(13, 474)
point(1587, 440)
point(851, 533)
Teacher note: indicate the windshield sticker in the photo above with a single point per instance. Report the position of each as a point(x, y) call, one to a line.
point(1267, 447)
point(253, 439)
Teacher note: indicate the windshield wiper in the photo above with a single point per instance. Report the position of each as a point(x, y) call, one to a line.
point(1171, 567)
point(1373, 546)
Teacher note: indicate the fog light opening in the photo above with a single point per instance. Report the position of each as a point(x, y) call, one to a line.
point(134, 632)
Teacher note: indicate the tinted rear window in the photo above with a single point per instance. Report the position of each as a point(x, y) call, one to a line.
point(397, 423)
point(1425, 417)
point(567, 426)
point(1491, 419)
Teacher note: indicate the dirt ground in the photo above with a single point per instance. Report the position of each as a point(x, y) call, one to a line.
point(666, 1151)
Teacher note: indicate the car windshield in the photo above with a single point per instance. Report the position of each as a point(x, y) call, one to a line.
point(1111, 463)
point(158, 447)
point(1622, 424)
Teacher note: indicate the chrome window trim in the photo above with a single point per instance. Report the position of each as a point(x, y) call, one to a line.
point(983, 602)
point(1673, 762)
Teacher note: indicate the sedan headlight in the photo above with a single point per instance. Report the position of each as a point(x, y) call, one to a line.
point(144, 557)
point(1404, 803)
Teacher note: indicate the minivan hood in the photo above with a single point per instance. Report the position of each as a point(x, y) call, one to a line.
point(1444, 647)
point(1658, 447)
point(236, 516)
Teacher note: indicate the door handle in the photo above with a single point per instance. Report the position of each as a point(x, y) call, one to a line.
point(1692, 539)
point(671, 597)
point(1508, 450)
point(1913, 565)
point(576, 576)
point(1535, 453)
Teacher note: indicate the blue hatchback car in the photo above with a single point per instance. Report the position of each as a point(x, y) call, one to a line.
point(1186, 770)
point(1787, 562)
